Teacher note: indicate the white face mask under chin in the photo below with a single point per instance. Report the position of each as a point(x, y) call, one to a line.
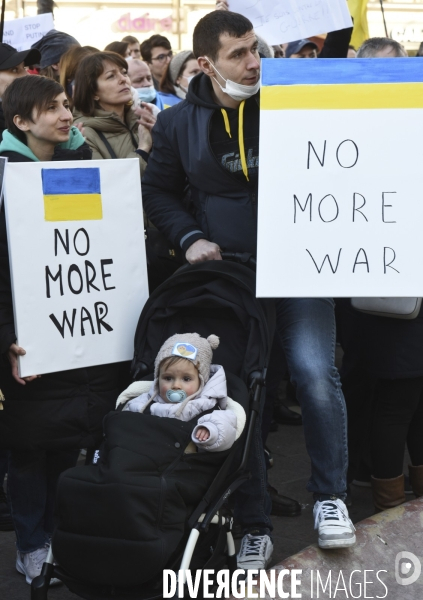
point(236, 91)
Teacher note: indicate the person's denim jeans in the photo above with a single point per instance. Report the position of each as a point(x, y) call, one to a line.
point(307, 330)
point(31, 488)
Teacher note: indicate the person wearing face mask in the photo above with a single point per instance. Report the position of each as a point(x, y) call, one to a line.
point(142, 81)
point(174, 84)
point(211, 142)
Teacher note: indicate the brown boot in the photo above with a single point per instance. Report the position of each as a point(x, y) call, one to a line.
point(416, 479)
point(388, 493)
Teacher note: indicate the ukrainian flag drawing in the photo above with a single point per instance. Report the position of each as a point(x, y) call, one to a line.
point(72, 194)
point(350, 84)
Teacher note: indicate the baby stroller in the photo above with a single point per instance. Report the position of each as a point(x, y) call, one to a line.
point(213, 297)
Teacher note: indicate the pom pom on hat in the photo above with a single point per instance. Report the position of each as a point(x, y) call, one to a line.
point(214, 341)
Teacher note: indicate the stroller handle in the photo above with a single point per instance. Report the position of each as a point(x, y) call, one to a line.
point(244, 258)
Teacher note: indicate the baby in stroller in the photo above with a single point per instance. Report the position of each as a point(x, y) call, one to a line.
point(185, 385)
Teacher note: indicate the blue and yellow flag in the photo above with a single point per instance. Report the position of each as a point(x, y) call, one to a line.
point(330, 84)
point(72, 194)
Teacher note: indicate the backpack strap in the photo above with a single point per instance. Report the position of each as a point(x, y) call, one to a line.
point(106, 143)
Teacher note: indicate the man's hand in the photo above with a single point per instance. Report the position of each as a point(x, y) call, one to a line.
point(202, 434)
point(202, 250)
point(222, 5)
point(14, 352)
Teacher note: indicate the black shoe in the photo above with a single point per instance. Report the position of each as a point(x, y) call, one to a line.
point(6, 523)
point(284, 415)
point(273, 426)
point(282, 506)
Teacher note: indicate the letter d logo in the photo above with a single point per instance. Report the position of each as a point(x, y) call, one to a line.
point(404, 563)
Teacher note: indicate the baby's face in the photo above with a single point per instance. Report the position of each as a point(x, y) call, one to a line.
point(181, 376)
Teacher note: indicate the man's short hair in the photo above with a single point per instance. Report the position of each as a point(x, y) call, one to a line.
point(23, 96)
point(372, 46)
point(130, 39)
point(206, 38)
point(154, 41)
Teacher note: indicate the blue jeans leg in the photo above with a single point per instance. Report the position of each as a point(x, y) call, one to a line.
point(32, 481)
point(252, 501)
point(306, 327)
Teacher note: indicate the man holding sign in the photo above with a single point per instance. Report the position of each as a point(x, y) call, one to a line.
point(212, 140)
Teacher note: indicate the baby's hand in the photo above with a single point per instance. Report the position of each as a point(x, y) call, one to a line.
point(202, 434)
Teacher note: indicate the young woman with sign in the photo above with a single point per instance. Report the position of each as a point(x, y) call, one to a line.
point(45, 420)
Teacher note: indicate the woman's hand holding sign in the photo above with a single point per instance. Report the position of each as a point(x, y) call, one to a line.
point(14, 352)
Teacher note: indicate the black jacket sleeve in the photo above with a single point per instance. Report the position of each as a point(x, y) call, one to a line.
point(7, 327)
point(163, 188)
point(336, 44)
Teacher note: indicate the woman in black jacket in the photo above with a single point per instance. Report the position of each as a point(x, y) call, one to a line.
point(46, 420)
point(389, 354)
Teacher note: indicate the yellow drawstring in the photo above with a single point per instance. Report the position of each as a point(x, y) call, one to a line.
point(226, 120)
point(241, 139)
point(240, 135)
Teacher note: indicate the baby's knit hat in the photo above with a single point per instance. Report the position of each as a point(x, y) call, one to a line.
point(190, 346)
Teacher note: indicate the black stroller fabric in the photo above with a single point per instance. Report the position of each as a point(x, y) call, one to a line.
point(213, 297)
point(124, 520)
point(130, 510)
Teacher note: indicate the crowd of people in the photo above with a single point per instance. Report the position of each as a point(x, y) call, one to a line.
point(181, 115)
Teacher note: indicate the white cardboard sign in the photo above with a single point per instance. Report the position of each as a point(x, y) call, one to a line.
point(281, 21)
point(77, 257)
point(340, 193)
point(22, 33)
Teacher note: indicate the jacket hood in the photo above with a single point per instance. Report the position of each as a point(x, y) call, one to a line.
point(107, 121)
point(200, 92)
point(10, 143)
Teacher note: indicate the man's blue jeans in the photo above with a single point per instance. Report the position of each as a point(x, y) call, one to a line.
point(306, 327)
point(307, 330)
point(31, 488)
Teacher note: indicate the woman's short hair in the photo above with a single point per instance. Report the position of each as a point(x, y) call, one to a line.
point(26, 94)
point(86, 80)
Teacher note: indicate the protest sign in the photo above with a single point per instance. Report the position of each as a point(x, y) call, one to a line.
point(281, 21)
point(340, 193)
point(22, 33)
point(77, 257)
point(3, 162)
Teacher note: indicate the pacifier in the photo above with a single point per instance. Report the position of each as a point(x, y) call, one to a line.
point(176, 396)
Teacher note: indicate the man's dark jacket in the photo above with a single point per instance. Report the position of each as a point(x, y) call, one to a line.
point(225, 210)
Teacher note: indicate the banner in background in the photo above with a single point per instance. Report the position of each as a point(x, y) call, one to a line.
point(22, 33)
point(358, 10)
point(340, 194)
point(77, 257)
point(281, 21)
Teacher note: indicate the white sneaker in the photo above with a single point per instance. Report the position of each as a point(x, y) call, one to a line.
point(31, 563)
point(335, 527)
point(255, 552)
